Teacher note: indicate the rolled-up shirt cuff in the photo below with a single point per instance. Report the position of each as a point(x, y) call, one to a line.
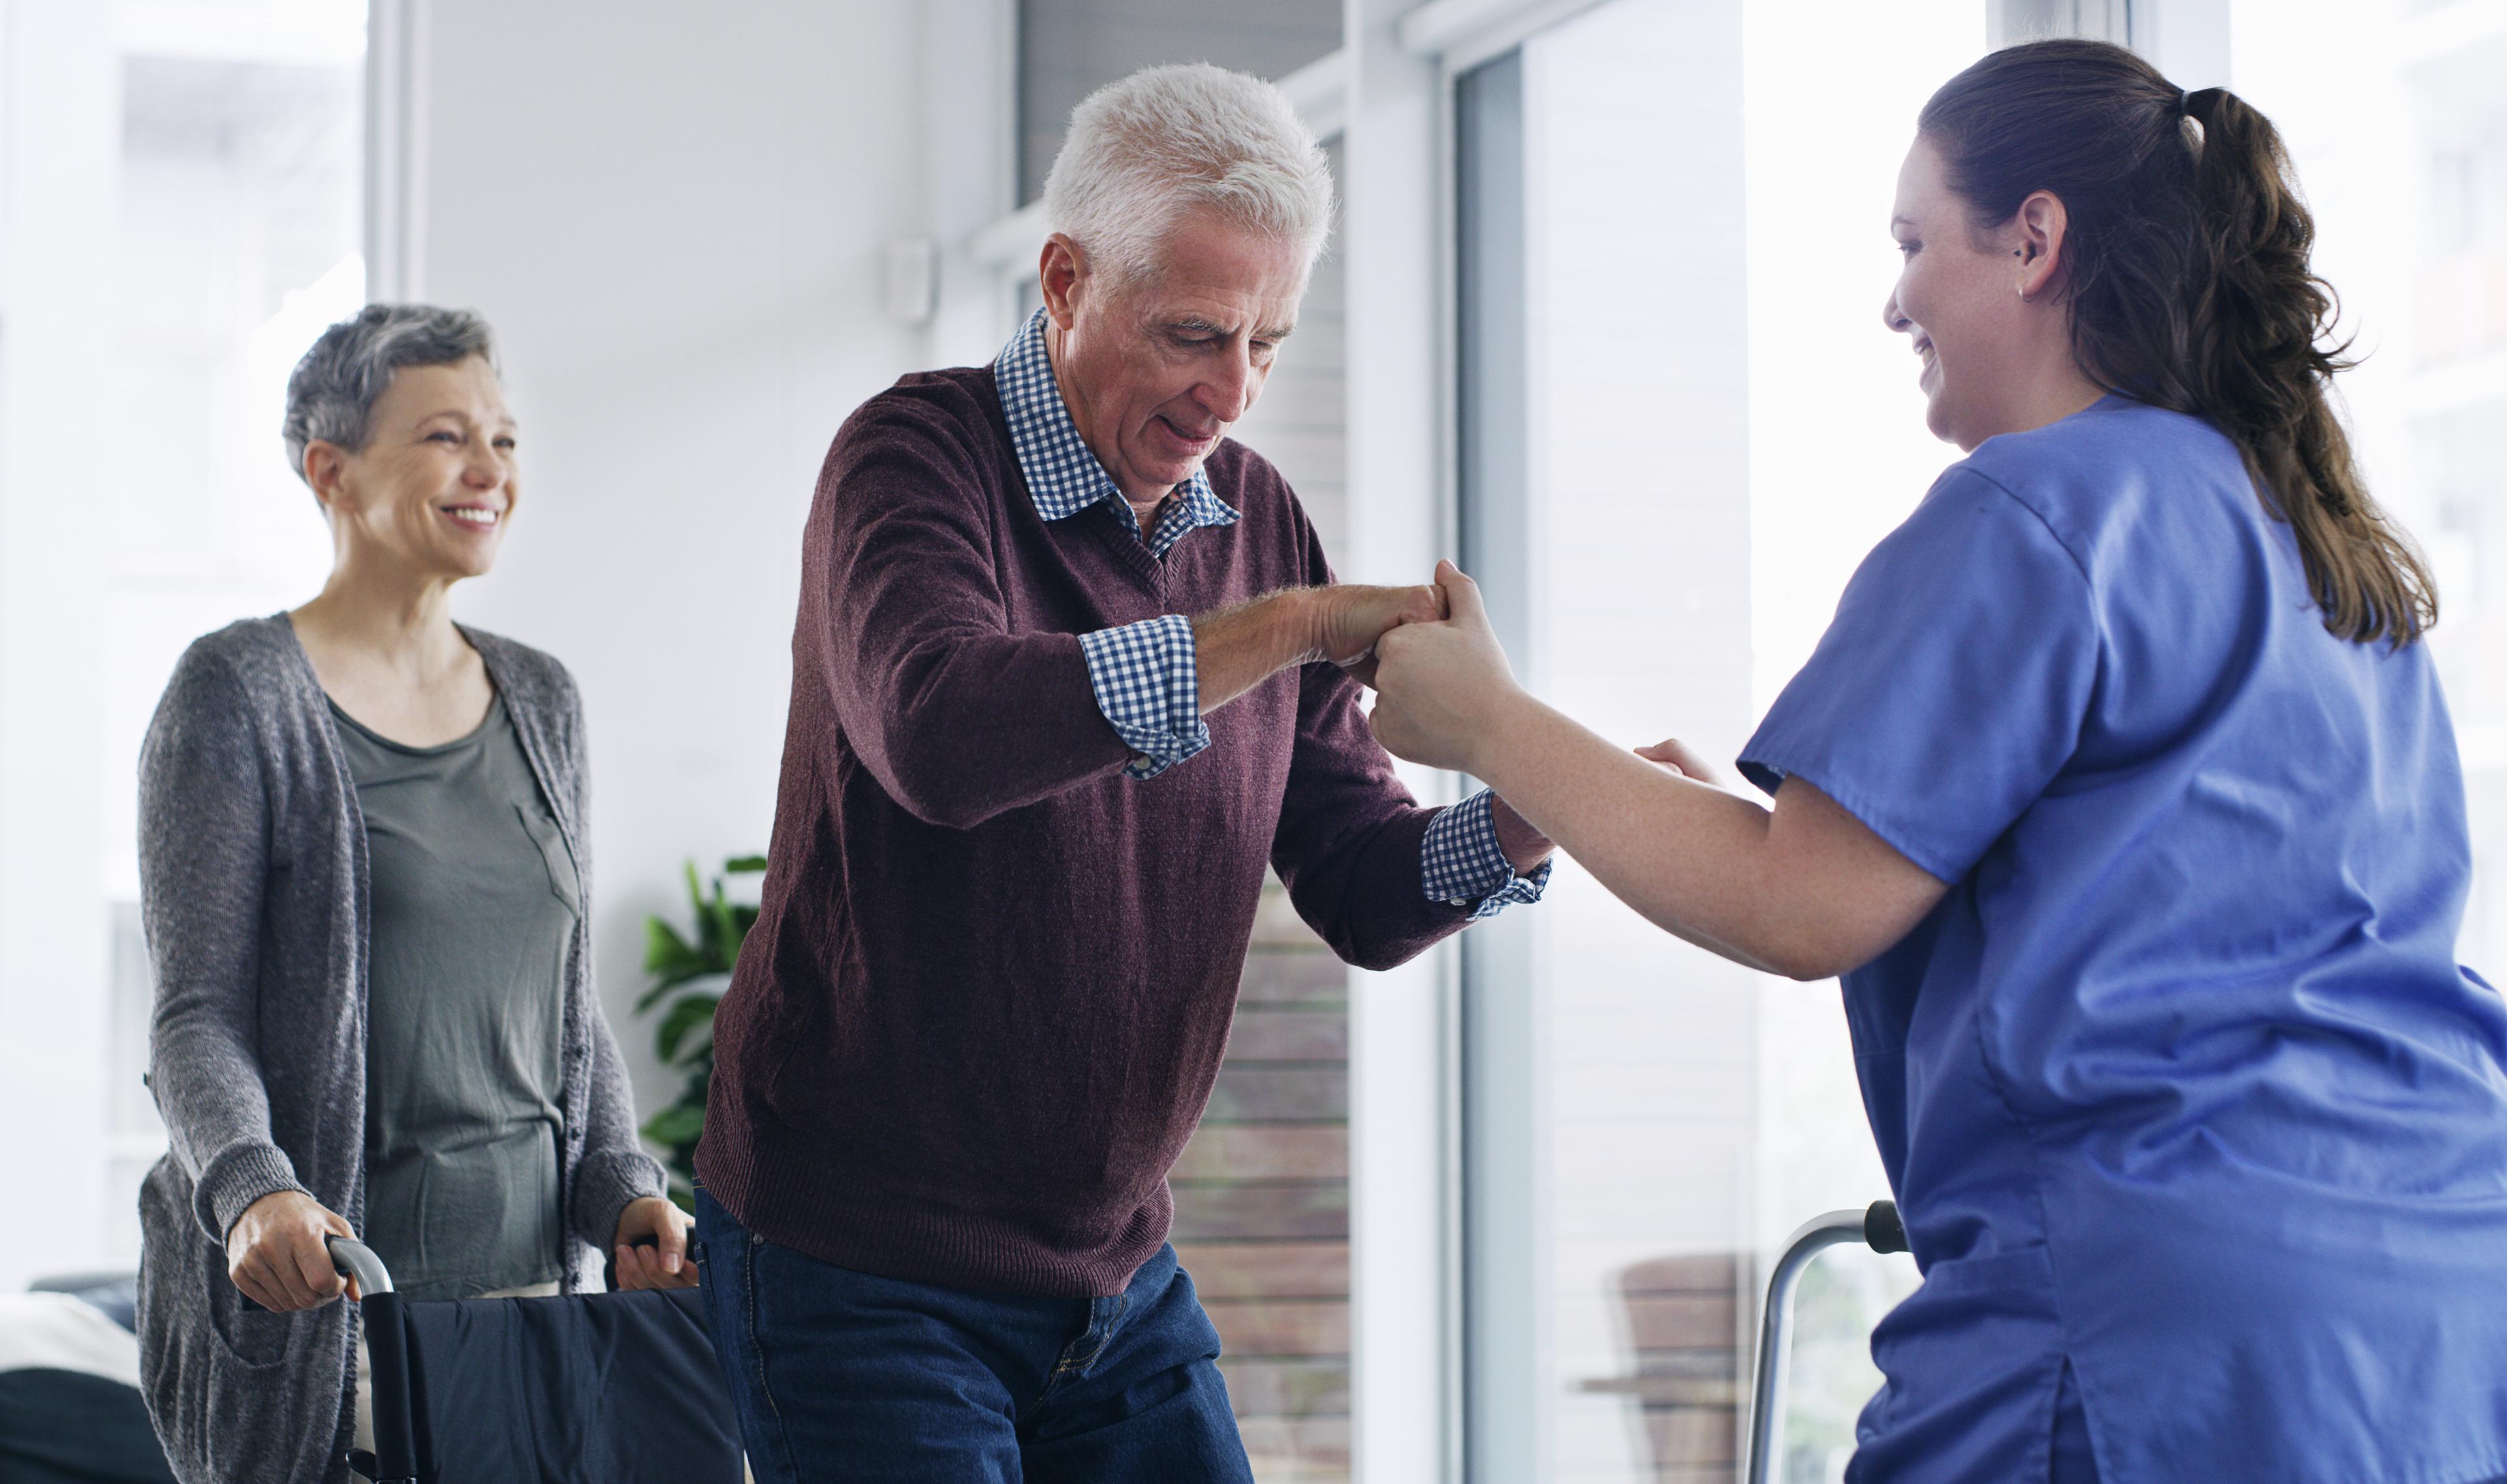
point(1148, 680)
point(1462, 864)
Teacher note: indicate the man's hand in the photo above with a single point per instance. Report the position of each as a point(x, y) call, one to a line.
point(1350, 619)
point(1241, 647)
point(277, 1256)
point(664, 1264)
point(1442, 687)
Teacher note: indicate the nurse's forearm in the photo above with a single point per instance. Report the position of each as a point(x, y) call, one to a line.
point(1804, 889)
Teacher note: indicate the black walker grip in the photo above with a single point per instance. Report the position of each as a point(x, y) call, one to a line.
point(394, 1459)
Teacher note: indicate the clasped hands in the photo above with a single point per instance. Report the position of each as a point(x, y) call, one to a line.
point(1446, 695)
point(1441, 680)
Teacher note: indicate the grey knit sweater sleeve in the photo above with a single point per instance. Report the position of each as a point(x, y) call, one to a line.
point(614, 1169)
point(204, 808)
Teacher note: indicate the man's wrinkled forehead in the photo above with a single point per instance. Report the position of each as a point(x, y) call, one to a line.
point(1216, 275)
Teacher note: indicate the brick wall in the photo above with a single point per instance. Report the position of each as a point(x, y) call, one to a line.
point(1262, 1204)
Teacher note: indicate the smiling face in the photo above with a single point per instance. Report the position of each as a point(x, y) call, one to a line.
point(1978, 305)
point(433, 489)
point(1155, 372)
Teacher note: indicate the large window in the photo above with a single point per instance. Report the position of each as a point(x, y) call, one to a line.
point(1608, 1068)
point(1838, 455)
point(2394, 112)
point(238, 208)
point(1681, 423)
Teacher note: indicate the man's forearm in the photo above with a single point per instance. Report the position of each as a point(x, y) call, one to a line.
point(1237, 649)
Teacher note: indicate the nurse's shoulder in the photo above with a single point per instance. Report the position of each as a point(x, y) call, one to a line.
point(2122, 484)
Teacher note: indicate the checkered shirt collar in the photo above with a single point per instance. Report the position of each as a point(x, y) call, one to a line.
point(1062, 476)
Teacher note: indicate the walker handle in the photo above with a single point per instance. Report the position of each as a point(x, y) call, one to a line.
point(394, 1459)
point(352, 1258)
point(1878, 1227)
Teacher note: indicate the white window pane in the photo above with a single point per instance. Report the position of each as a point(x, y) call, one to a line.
point(239, 209)
point(1838, 455)
point(1717, 428)
point(2393, 113)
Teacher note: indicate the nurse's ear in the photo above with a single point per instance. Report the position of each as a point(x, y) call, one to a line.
point(2035, 237)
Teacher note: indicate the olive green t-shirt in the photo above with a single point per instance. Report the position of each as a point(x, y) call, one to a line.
point(473, 909)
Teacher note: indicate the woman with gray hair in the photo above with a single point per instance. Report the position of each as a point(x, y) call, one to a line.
point(366, 894)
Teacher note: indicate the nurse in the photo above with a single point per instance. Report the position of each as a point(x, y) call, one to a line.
point(2122, 793)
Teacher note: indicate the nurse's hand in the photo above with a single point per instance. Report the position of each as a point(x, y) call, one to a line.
point(277, 1255)
point(1442, 687)
point(653, 1245)
point(1682, 758)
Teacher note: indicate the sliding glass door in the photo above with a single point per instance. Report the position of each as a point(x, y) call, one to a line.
point(1679, 424)
point(1603, 429)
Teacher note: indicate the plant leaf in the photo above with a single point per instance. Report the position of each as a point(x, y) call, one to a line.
point(682, 1123)
point(724, 932)
point(722, 926)
point(666, 952)
point(691, 1012)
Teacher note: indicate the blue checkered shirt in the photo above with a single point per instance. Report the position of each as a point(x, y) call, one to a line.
point(1146, 675)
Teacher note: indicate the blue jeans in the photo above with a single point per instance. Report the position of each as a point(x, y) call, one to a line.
point(840, 1375)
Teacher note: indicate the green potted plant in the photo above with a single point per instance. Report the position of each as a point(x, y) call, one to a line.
point(690, 975)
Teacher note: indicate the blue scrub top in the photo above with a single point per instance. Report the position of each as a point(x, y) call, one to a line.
point(2180, 1085)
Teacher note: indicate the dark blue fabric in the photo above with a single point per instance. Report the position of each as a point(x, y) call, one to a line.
point(2075, 1461)
point(842, 1375)
point(66, 1426)
point(593, 1389)
point(2181, 1083)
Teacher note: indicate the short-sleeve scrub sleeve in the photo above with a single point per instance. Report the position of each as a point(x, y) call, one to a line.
point(1951, 687)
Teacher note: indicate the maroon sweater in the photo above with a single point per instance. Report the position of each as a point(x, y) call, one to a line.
point(989, 990)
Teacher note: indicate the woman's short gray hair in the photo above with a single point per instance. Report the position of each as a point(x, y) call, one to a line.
point(1167, 141)
point(331, 394)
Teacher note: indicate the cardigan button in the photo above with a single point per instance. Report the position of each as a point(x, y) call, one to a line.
point(1457, 901)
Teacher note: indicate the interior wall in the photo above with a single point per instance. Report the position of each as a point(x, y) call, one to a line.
point(676, 218)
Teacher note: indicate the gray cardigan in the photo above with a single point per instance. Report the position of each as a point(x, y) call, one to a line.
point(253, 890)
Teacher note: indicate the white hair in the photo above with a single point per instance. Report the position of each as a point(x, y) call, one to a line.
point(1169, 141)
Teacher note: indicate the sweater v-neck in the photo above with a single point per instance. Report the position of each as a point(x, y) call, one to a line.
point(1130, 549)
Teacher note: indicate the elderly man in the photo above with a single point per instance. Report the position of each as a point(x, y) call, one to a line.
point(1058, 694)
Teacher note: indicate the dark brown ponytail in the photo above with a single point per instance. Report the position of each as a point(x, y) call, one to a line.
point(2188, 281)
